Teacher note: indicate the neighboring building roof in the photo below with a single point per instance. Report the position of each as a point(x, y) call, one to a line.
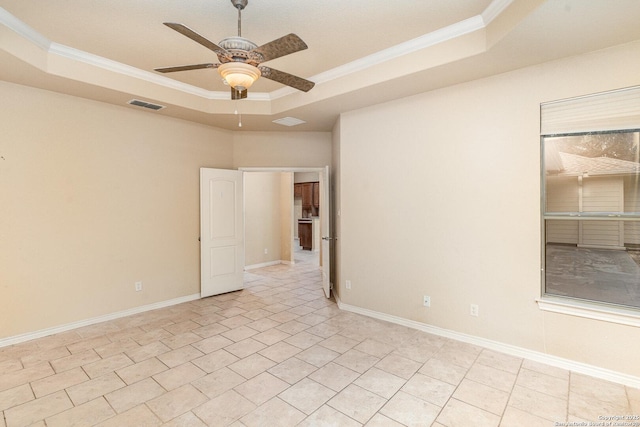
point(574, 165)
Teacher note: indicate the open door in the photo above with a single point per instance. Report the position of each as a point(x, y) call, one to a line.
point(325, 231)
point(221, 231)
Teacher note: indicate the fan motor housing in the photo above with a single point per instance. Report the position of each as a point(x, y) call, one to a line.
point(239, 4)
point(240, 50)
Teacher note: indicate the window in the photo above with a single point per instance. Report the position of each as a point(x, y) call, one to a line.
point(591, 198)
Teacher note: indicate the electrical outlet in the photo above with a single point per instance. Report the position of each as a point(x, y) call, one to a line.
point(474, 310)
point(138, 286)
point(348, 284)
point(266, 251)
point(426, 301)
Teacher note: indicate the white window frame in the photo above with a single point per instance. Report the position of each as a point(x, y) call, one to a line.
point(611, 111)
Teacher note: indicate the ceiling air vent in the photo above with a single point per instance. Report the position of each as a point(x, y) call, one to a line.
point(289, 121)
point(144, 104)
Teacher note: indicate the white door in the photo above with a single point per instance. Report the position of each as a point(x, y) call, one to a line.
point(221, 231)
point(325, 231)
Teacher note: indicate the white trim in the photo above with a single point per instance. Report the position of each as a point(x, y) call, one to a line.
point(536, 356)
point(584, 309)
point(87, 322)
point(262, 264)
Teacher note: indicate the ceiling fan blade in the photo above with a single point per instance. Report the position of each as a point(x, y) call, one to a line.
point(185, 68)
point(286, 79)
point(285, 45)
point(186, 31)
point(238, 94)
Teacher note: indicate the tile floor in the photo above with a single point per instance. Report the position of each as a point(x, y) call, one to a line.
point(278, 353)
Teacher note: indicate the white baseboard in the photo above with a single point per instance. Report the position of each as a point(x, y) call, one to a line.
point(264, 264)
point(581, 368)
point(79, 324)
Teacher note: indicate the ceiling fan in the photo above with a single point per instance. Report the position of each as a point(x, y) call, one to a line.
point(241, 59)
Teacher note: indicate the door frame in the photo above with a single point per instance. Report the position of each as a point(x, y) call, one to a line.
point(319, 170)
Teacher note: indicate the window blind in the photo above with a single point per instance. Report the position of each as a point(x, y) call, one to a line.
point(605, 111)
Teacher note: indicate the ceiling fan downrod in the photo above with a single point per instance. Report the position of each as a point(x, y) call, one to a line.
point(239, 4)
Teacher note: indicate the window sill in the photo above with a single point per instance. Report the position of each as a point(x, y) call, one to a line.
point(588, 310)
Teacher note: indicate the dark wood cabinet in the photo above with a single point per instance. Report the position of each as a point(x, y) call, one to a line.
point(316, 194)
point(307, 195)
point(305, 234)
point(297, 190)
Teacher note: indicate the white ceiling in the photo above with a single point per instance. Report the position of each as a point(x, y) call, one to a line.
point(361, 52)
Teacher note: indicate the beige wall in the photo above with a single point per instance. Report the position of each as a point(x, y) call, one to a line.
point(286, 149)
point(265, 201)
point(93, 198)
point(439, 195)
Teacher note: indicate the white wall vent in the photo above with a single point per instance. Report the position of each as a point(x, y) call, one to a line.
point(145, 104)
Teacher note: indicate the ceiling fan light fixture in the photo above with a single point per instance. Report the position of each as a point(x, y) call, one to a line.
point(239, 75)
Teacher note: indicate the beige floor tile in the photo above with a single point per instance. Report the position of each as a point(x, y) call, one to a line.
point(142, 370)
point(133, 395)
point(179, 376)
point(292, 370)
point(590, 409)
point(303, 340)
point(181, 340)
point(543, 383)
point(211, 344)
point(104, 366)
point(334, 376)
point(460, 414)
point(179, 356)
point(214, 361)
point(210, 330)
point(147, 351)
point(22, 376)
point(410, 410)
point(280, 351)
point(13, 365)
point(357, 403)
point(482, 396)
point(539, 404)
point(399, 366)
point(380, 382)
point(514, 417)
point(87, 414)
point(257, 314)
point(182, 327)
point(45, 355)
point(264, 324)
point(274, 413)
point(307, 395)
point(36, 410)
point(338, 343)
point(74, 360)
point(153, 335)
point(92, 389)
point(327, 416)
point(598, 389)
point(492, 377)
point(138, 416)
point(317, 356)
point(545, 369)
point(379, 420)
point(15, 396)
point(218, 382)
point(293, 327)
point(224, 409)
point(252, 365)
point(419, 352)
point(634, 399)
point(59, 381)
point(88, 344)
point(443, 370)
point(176, 402)
point(271, 336)
point(240, 333)
point(185, 420)
point(457, 357)
point(500, 361)
point(356, 360)
point(374, 348)
point(261, 388)
point(429, 389)
point(246, 347)
point(113, 348)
